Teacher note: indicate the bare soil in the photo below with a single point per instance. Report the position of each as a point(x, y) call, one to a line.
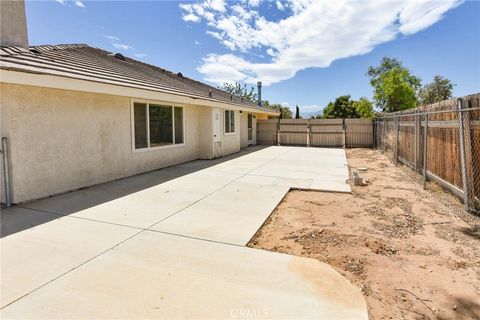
point(405, 247)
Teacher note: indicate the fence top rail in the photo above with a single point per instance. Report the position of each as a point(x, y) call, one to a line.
point(412, 114)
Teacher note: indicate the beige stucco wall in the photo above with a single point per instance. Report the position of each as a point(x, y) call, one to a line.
point(206, 133)
point(13, 25)
point(243, 130)
point(230, 141)
point(63, 140)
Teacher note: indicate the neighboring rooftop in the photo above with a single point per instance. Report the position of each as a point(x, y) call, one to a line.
point(80, 61)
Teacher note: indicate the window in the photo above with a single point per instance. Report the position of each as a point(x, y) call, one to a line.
point(229, 121)
point(157, 125)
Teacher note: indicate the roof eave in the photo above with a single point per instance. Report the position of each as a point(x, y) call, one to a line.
point(37, 78)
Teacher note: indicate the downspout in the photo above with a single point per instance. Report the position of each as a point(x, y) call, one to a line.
point(6, 172)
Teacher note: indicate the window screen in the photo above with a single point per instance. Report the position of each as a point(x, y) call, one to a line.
point(178, 116)
point(157, 125)
point(140, 119)
point(161, 125)
point(229, 121)
point(232, 121)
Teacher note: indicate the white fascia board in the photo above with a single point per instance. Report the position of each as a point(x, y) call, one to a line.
point(65, 83)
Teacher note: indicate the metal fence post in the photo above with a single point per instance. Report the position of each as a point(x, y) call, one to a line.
point(415, 142)
point(382, 138)
point(462, 155)
point(395, 152)
point(425, 148)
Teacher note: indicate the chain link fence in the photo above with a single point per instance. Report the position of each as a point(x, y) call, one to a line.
point(439, 142)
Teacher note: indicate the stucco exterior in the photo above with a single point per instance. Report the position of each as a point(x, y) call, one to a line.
point(243, 130)
point(230, 141)
point(62, 140)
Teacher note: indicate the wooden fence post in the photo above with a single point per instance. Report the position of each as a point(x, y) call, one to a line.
point(344, 137)
point(308, 134)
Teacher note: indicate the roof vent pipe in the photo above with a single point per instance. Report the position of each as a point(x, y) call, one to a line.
point(259, 86)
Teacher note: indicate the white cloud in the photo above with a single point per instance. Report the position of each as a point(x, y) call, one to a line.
point(140, 55)
point(78, 3)
point(110, 37)
point(254, 3)
point(191, 18)
point(123, 46)
point(197, 43)
point(314, 34)
point(280, 5)
point(215, 35)
point(419, 15)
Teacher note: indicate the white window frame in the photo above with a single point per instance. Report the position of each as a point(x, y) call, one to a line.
point(161, 103)
point(234, 122)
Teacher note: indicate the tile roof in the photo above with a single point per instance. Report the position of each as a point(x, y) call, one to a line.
point(81, 61)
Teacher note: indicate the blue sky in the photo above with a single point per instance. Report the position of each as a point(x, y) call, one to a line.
point(306, 53)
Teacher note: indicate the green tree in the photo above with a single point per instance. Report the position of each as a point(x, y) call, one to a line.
point(438, 90)
point(342, 107)
point(394, 86)
point(285, 112)
point(241, 91)
point(297, 113)
point(364, 108)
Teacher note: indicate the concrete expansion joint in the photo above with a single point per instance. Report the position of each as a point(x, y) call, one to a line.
point(222, 186)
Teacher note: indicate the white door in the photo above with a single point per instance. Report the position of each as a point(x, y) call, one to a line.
point(216, 131)
point(250, 128)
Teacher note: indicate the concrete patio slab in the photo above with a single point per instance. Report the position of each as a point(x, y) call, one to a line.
point(16, 219)
point(142, 209)
point(232, 214)
point(161, 276)
point(33, 257)
point(78, 200)
point(66, 263)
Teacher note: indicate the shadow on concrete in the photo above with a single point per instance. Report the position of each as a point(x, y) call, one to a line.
point(29, 215)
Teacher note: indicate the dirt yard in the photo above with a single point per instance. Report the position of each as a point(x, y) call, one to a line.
point(403, 246)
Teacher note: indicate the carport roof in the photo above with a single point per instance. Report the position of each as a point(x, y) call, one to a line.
point(80, 61)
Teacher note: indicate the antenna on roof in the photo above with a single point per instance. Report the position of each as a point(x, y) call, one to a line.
point(119, 56)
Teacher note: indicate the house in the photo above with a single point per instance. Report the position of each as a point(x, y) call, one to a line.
point(76, 116)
